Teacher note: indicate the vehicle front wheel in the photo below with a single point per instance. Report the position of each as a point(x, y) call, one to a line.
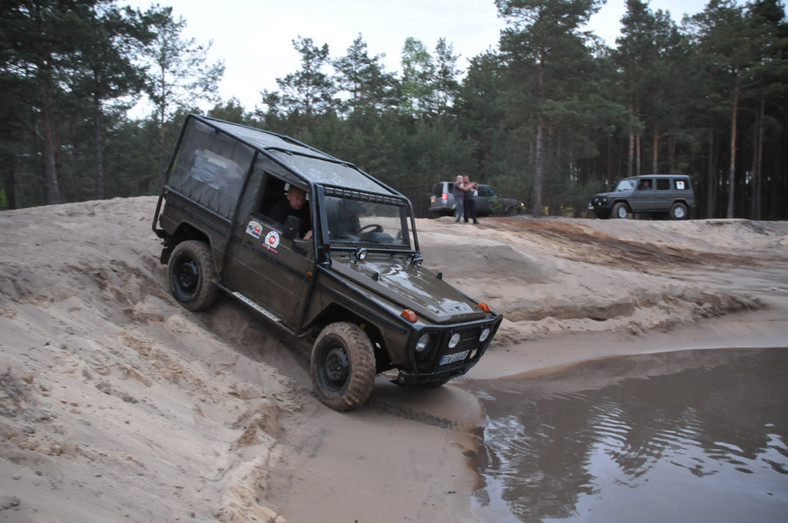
point(343, 366)
point(678, 211)
point(620, 210)
point(193, 279)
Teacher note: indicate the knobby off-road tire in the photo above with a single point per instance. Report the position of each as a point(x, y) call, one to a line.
point(678, 211)
point(193, 279)
point(620, 210)
point(343, 366)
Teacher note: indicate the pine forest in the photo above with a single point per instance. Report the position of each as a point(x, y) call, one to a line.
point(550, 114)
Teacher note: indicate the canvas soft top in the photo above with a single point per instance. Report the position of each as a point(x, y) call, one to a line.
point(310, 164)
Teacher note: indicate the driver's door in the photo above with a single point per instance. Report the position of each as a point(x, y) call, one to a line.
point(268, 271)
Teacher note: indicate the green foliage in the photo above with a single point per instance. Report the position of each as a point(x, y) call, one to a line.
point(549, 116)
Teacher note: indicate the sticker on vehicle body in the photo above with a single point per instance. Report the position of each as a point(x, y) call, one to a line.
point(272, 240)
point(254, 229)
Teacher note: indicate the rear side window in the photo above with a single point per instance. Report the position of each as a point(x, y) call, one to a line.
point(663, 184)
point(210, 168)
point(681, 185)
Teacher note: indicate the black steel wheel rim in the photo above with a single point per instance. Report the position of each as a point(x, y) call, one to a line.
point(188, 277)
point(335, 368)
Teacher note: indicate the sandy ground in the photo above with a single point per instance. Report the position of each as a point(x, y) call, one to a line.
point(116, 404)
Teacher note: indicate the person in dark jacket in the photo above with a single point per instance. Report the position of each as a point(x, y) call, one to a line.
point(294, 204)
point(459, 197)
point(469, 205)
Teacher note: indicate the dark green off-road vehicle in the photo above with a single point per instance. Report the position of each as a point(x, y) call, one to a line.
point(344, 272)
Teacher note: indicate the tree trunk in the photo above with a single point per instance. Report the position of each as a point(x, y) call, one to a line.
point(757, 178)
point(655, 150)
point(631, 152)
point(711, 179)
point(732, 168)
point(38, 166)
point(539, 170)
point(98, 138)
point(539, 167)
point(161, 148)
point(9, 183)
point(50, 164)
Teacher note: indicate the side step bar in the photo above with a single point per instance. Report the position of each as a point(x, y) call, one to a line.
point(265, 312)
point(259, 309)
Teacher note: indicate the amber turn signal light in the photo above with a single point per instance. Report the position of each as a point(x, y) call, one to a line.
point(483, 306)
point(409, 315)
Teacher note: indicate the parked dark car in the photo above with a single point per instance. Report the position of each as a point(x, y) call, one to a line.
point(488, 201)
point(344, 271)
point(653, 194)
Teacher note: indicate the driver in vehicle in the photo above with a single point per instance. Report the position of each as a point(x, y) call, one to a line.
point(294, 205)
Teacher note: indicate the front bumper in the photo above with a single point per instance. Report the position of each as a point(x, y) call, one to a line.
point(600, 205)
point(443, 363)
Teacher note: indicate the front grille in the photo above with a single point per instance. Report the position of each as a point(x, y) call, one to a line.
point(469, 341)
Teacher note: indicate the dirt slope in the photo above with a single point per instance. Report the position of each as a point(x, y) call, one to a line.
point(116, 404)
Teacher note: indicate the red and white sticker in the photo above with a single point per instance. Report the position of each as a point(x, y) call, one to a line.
point(272, 240)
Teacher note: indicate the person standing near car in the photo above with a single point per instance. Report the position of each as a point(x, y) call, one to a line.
point(469, 205)
point(458, 192)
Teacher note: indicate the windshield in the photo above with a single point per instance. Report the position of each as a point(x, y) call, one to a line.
point(626, 185)
point(369, 223)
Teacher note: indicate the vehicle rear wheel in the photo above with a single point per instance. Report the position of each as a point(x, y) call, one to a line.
point(620, 210)
point(343, 366)
point(193, 279)
point(678, 211)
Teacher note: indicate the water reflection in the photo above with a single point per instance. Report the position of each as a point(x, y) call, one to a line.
point(692, 436)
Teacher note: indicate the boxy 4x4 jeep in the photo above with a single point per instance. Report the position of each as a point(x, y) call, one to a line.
point(343, 271)
point(652, 194)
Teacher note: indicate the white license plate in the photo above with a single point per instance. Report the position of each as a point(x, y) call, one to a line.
point(451, 358)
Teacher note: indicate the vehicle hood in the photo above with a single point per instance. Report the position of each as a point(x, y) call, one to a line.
point(609, 195)
point(411, 286)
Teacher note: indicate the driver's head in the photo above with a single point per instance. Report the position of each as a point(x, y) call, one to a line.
point(296, 197)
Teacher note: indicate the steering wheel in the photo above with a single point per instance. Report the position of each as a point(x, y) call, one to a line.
point(373, 227)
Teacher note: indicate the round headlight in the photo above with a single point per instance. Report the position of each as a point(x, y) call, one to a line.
point(484, 335)
point(454, 340)
point(423, 343)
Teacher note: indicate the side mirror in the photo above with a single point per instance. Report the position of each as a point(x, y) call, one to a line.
point(292, 226)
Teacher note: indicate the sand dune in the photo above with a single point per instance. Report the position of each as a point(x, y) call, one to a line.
point(116, 404)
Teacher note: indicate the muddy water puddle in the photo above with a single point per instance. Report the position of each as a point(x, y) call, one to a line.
point(685, 436)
